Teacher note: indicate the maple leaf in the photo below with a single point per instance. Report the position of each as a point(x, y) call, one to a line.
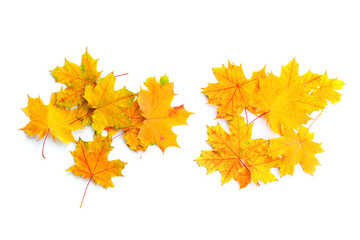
point(76, 78)
point(307, 84)
point(290, 73)
point(232, 91)
point(324, 90)
point(277, 100)
point(296, 148)
point(159, 116)
point(237, 156)
point(131, 133)
point(50, 119)
point(107, 104)
point(314, 89)
point(91, 161)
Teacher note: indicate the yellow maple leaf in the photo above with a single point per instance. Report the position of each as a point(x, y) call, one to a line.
point(237, 156)
point(278, 103)
point(107, 104)
point(315, 90)
point(296, 147)
point(290, 74)
point(308, 82)
point(324, 91)
point(50, 119)
point(159, 116)
point(75, 78)
point(91, 161)
point(232, 91)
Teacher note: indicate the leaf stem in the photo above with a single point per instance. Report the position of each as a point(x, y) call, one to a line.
point(246, 116)
point(85, 191)
point(259, 117)
point(312, 123)
point(43, 147)
point(121, 75)
point(119, 135)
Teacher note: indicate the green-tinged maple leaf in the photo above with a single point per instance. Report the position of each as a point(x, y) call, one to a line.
point(76, 78)
point(107, 104)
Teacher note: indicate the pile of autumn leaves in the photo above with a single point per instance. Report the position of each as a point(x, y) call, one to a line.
point(286, 102)
point(147, 118)
point(143, 118)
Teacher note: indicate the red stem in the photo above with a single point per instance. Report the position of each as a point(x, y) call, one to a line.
point(258, 117)
point(246, 116)
point(121, 74)
point(47, 134)
point(312, 124)
point(118, 135)
point(85, 191)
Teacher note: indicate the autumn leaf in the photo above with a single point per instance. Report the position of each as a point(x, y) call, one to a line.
point(296, 147)
point(324, 89)
point(91, 161)
point(308, 82)
point(107, 104)
point(75, 78)
point(232, 91)
point(277, 101)
point(290, 74)
point(50, 119)
point(159, 116)
point(237, 156)
point(131, 133)
point(316, 89)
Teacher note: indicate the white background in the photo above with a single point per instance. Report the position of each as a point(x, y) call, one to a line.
point(168, 196)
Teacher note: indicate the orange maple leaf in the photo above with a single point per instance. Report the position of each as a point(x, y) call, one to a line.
point(296, 147)
point(159, 116)
point(75, 78)
point(107, 104)
point(131, 133)
point(237, 156)
point(50, 119)
point(91, 161)
point(233, 90)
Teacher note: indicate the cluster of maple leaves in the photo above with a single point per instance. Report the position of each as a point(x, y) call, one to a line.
point(286, 102)
point(144, 118)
